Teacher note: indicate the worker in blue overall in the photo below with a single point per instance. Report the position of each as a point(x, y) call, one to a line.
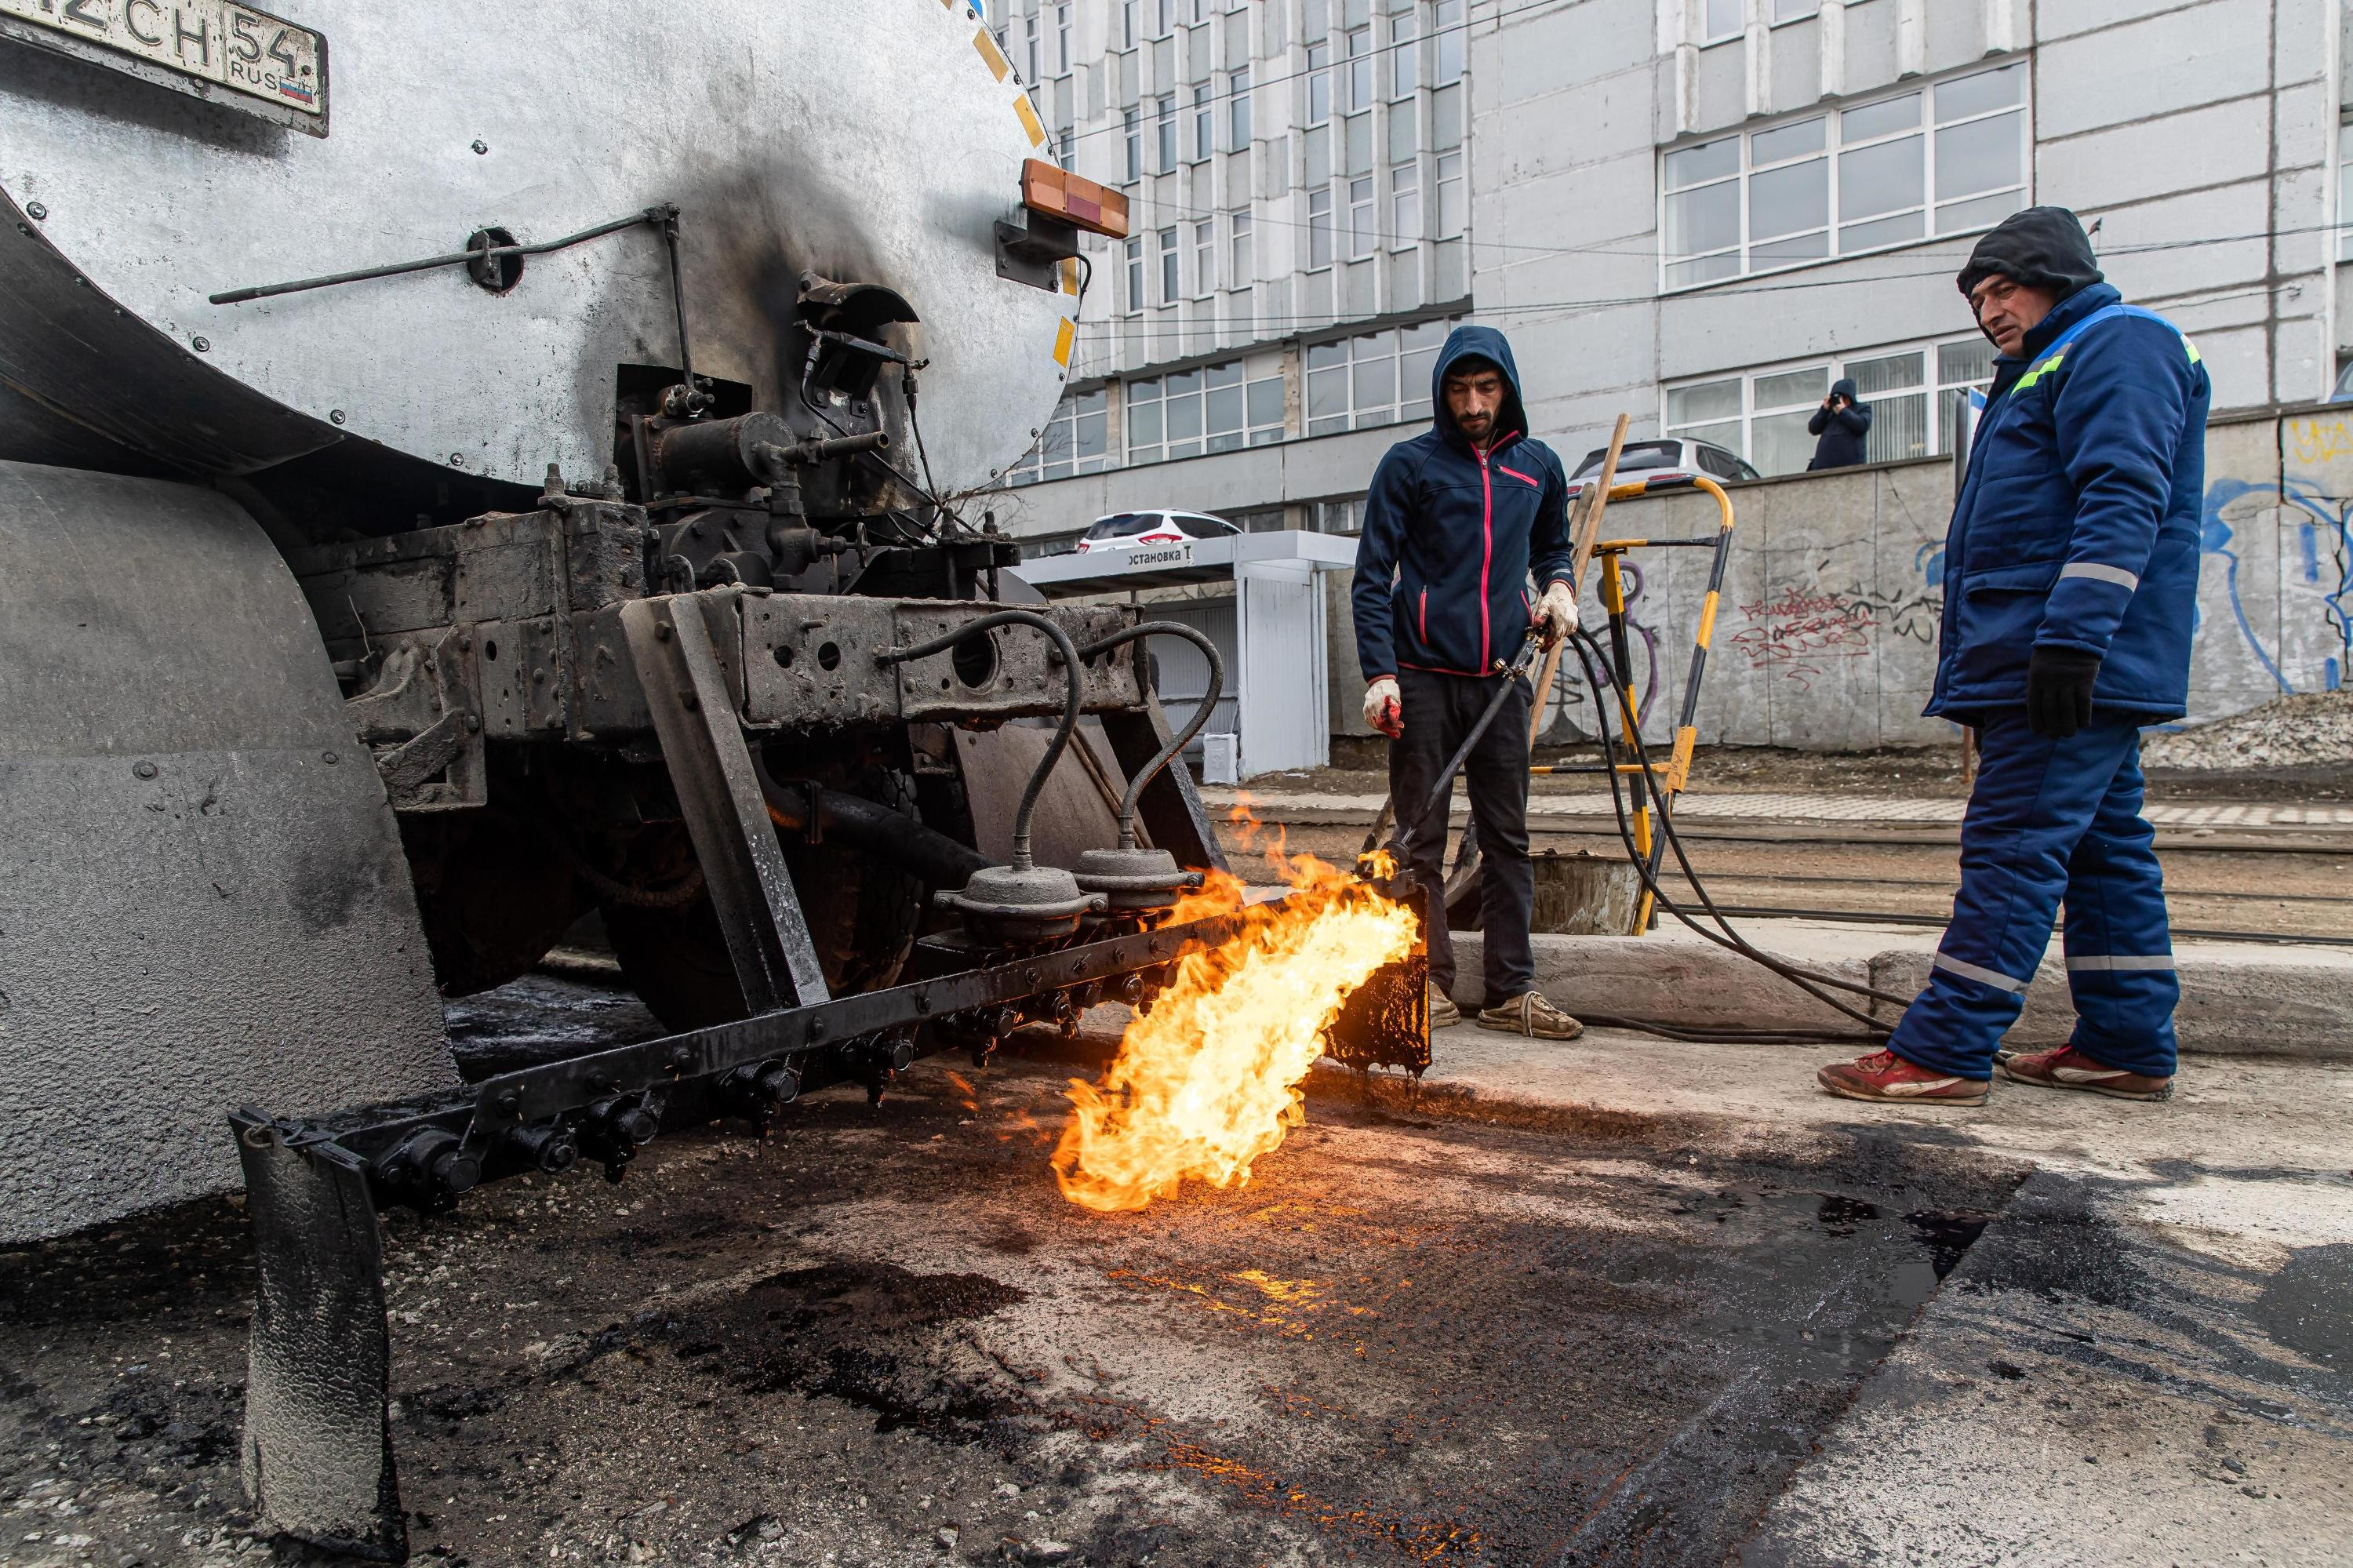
point(1456, 521)
point(2070, 583)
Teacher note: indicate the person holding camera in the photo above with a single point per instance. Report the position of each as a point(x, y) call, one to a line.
point(1842, 426)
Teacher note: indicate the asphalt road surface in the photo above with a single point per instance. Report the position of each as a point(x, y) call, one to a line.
point(883, 1337)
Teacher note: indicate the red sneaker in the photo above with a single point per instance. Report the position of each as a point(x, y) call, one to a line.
point(1884, 1076)
point(2068, 1068)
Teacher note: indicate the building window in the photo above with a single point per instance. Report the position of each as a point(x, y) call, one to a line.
point(1238, 109)
point(1373, 378)
point(1062, 58)
point(1072, 442)
point(1446, 23)
point(1242, 266)
point(1361, 228)
point(1205, 257)
point(1360, 68)
point(1319, 229)
point(1127, 31)
point(1163, 17)
point(1319, 84)
point(1345, 518)
point(1165, 128)
point(1405, 56)
point(1205, 122)
point(1795, 10)
point(1134, 134)
point(1030, 48)
point(1066, 143)
point(1939, 160)
point(1168, 290)
point(1453, 199)
point(1215, 410)
point(1134, 274)
point(1405, 205)
point(1762, 414)
point(1721, 19)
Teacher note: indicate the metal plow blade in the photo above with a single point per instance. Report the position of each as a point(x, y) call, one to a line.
point(318, 1445)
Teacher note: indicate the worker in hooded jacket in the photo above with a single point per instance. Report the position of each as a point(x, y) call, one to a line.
point(1457, 521)
point(2070, 582)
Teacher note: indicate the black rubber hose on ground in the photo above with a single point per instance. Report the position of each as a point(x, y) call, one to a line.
point(1589, 654)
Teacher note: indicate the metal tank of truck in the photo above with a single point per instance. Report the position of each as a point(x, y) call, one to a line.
point(463, 471)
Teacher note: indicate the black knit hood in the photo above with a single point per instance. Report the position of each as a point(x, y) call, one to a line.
point(2042, 247)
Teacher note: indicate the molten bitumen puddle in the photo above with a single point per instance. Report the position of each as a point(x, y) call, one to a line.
point(883, 1337)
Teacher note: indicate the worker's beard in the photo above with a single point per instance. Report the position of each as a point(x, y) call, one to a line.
point(1475, 427)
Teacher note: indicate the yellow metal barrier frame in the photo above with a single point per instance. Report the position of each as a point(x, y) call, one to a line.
point(1648, 840)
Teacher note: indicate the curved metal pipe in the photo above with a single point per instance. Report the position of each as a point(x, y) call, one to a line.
point(1061, 641)
point(1192, 727)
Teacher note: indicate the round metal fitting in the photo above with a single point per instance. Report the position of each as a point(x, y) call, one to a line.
point(36, 211)
point(143, 769)
point(1012, 907)
point(1136, 880)
point(201, 345)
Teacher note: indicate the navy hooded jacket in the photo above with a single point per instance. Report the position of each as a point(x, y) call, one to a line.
point(1451, 534)
point(2077, 523)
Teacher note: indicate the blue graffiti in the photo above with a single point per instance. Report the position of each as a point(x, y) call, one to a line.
point(2320, 511)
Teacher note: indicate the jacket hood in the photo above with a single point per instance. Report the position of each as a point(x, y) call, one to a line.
point(1478, 343)
point(2042, 247)
point(1843, 388)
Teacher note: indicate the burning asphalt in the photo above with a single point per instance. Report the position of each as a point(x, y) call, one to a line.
point(883, 1335)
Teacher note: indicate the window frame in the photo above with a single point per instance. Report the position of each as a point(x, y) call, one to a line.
point(1241, 252)
point(1132, 127)
point(1205, 258)
point(1171, 272)
point(1405, 205)
point(1363, 207)
point(1239, 131)
point(1933, 386)
point(1320, 226)
point(1927, 128)
point(1205, 122)
point(1164, 132)
point(1135, 258)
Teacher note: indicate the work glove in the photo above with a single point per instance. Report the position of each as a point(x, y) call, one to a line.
point(2059, 690)
point(1382, 709)
point(1557, 611)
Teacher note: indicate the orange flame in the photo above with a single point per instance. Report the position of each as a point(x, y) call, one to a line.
point(1207, 1081)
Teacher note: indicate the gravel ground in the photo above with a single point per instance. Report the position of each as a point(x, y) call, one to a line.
point(882, 1337)
point(2309, 730)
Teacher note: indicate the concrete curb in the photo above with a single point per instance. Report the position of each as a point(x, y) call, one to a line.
point(2235, 1000)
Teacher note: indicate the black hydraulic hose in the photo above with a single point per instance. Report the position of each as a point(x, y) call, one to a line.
point(889, 835)
point(1193, 727)
point(1807, 980)
point(1071, 667)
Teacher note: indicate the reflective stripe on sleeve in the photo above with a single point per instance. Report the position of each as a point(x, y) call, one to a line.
point(2100, 574)
point(2120, 962)
point(1967, 970)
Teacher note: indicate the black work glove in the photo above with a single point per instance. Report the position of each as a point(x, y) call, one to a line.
point(2059, 690)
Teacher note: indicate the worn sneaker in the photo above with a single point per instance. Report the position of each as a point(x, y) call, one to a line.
point(1884, 1076)
point(1530, 1014)
point(1443, 1013)
point(2068, 1068)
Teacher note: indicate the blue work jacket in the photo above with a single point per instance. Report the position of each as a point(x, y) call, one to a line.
point(1451, 534)
point(2077, 523)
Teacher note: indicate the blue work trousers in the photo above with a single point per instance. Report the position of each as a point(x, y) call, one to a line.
point(2051, 820)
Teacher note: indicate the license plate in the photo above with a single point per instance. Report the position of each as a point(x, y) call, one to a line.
point(256, 58)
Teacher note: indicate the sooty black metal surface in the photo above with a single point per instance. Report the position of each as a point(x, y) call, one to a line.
point(883, 1337)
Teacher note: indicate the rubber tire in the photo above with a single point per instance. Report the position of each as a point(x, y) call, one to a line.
point(863, 915)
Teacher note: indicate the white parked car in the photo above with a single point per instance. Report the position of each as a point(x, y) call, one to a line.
point(1126, 530)
point(1663, 459)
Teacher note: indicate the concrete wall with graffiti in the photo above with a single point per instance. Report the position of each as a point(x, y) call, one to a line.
point(1826, 639)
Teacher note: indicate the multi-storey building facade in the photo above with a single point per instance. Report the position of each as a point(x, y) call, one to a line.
point(1700, 212)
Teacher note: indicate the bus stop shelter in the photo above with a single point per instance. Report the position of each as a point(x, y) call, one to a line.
point(1271, 636)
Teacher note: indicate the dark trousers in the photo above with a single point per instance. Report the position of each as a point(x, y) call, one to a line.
point(2052, 820)
point(1439, 712)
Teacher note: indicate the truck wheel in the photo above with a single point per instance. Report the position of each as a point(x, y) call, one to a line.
point(862, 916)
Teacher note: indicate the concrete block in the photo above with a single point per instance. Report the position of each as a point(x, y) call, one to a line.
point(2236, 1001)
point(1667, 977)
point(2172, 61)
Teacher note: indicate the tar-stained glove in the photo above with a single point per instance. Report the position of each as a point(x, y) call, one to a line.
point(1383, 708)
point(1557, 612)
point(2059, 690)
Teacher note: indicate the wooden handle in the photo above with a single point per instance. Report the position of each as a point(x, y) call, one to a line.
point(1588, 527)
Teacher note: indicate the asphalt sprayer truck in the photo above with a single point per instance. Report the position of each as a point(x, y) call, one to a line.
point(463, 471)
